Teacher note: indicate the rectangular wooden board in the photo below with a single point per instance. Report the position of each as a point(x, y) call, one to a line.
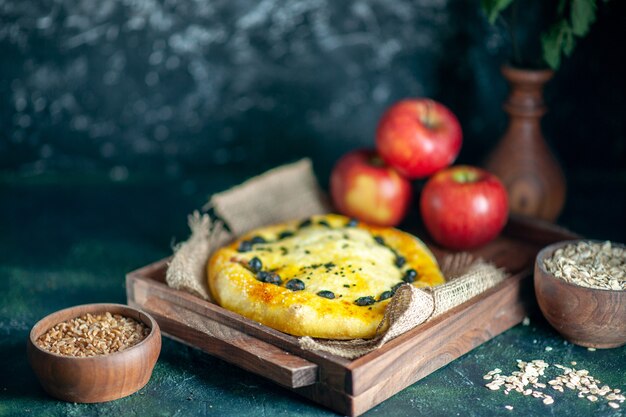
point(352, 387)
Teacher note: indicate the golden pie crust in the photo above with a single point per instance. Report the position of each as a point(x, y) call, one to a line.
point(305, 263)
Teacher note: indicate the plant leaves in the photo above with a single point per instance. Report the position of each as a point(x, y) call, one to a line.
point(492, 8)
point(559, 38)
point(569, 42)
point(583, 14)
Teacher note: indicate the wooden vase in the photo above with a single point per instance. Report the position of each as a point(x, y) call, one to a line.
point(522, 159)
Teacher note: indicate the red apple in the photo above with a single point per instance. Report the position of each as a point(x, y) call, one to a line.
point(418, 137)
point(364, 187)
point(464, 207)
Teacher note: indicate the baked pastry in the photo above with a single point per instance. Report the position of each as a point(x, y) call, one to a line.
point(327, 276)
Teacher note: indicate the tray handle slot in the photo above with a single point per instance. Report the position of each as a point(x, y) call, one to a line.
point(231, 345)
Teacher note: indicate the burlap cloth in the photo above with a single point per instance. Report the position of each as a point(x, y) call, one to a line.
point(292, 192)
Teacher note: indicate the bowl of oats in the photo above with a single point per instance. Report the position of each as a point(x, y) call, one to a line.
point(94, 352)
point(581, 290)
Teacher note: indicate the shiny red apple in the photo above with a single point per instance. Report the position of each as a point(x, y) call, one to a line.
point(418, 137)
point(364, 187)
point(464, 207)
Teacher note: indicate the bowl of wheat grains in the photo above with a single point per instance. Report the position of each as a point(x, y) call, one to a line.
point(94, 352)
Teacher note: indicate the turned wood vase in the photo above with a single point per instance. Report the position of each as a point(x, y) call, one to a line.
point(522, 158)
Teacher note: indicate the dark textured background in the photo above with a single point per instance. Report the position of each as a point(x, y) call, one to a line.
point(178, 87)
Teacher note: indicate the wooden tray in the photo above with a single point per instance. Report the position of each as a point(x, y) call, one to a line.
point(352, 387)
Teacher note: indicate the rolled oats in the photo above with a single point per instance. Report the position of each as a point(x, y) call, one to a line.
point(590, 264)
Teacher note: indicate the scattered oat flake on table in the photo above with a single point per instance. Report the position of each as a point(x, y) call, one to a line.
point(529, 373)
point(527, 382)
point(508, 407)
point(526, 321)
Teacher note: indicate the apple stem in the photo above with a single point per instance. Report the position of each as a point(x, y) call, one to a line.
point(464, 176)
point(427, 119)
point(376, 161)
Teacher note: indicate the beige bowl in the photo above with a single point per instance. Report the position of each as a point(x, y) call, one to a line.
point(588, 317)
point(96, 378)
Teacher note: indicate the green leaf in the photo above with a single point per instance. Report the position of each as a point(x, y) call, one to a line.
point(557, 39)
point(569, 43)
point(492, 8)
point(583, 14)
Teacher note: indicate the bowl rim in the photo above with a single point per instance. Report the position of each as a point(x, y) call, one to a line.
point(550, 249)
point(154, 328)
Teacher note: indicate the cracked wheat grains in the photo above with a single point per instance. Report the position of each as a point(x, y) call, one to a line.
point(92, 335)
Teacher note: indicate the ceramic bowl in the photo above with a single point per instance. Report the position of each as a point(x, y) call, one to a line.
point(96, 378)
point(584, 316)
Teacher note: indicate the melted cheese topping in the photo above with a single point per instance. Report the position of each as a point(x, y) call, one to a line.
point(347, 262)
point(327, 254)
